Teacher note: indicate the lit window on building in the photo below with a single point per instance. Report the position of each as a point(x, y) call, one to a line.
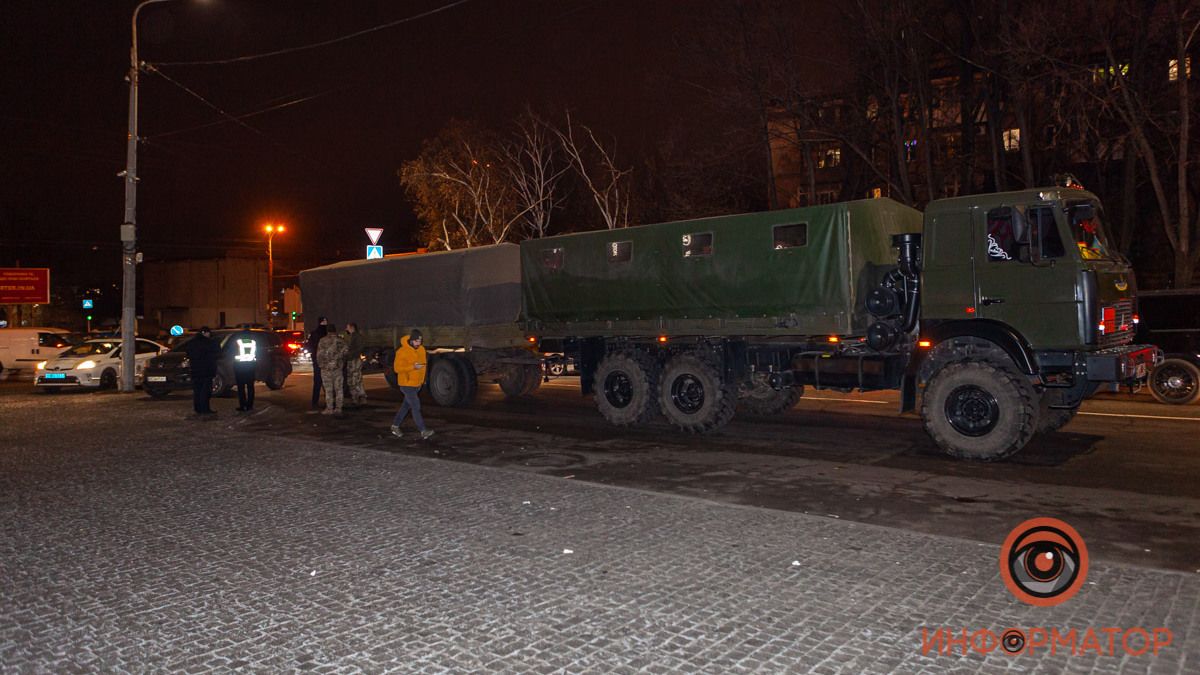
point(1173, 69)
point(1012, 140)
point(828, 158)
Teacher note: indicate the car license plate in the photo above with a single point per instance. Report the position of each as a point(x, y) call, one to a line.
point(56, 376)
point(156, 378)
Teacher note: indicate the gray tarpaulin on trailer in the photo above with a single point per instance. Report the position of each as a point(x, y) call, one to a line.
point(468, 287)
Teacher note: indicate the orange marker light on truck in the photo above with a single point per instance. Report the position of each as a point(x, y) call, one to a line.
point(531, 339)
point(662, 339)
point(924, 344)
point(833, 339)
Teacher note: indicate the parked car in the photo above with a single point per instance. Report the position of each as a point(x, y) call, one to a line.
point(293, 342)
point(93, 363)
point(168, 372)
point(1171, 320)
point(21, 349)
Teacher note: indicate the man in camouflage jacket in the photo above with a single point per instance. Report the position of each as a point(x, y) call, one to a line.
point(331, 358)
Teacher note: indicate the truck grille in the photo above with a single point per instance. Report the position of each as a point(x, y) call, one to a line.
point(1118, 324)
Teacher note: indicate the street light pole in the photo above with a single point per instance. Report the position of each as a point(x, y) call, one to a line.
point(271, 230)
point(129, 226)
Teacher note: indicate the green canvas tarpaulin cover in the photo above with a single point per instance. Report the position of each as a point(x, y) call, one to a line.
point(468, 287)
point(795, 271)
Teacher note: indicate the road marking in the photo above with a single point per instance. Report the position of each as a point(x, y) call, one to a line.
point(1144, 417)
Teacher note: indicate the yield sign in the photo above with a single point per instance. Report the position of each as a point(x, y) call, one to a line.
point(373, 233)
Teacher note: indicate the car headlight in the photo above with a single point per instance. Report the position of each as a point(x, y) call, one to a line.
point(41, 365)
point(86, 365)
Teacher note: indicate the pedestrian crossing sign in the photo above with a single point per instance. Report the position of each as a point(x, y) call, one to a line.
point(374, 252)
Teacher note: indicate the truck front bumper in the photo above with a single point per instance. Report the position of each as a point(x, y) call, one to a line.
point(1128, 363)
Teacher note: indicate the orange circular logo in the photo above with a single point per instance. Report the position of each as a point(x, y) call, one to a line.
point(1043, 561)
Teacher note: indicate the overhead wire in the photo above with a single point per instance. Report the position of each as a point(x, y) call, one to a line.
point(315, 45)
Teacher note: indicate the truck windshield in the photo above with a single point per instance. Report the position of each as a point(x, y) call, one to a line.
point(1088, 230)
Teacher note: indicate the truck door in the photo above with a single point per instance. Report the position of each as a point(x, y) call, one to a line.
point(1020, 277)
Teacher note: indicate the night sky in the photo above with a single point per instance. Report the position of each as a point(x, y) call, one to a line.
point(350, 113)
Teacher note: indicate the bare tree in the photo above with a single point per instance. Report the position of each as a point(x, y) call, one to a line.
point(461, 190)
point(535, 168)
point(596, 167)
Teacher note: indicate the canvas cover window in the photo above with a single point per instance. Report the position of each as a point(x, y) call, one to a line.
point(698, 244)
point(790, 236)
point(552, 258)
point(620, 251)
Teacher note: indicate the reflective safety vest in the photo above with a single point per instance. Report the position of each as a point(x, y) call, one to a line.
point(247, 349)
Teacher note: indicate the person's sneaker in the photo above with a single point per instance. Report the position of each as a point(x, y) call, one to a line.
point(426, 434)
point(327, 411)
point(396, 432)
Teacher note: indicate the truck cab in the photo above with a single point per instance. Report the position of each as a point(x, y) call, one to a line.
point(1028, 281)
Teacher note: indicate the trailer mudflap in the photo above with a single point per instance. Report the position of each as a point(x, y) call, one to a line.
point(1129, 363)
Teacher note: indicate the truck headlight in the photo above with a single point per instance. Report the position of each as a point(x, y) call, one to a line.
point(86, 365)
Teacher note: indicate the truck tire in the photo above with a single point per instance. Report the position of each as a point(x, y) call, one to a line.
point(388, 359)
point(979, 411)
point(1175, 381)
point(445, 381)
point(468, 377)
point(1053, 419)
point(760, 399)
point(626, 389)
point(513, 380)
point(533, 379)
point(694, 395)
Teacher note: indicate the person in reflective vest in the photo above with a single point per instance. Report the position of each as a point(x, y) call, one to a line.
point(245, 366)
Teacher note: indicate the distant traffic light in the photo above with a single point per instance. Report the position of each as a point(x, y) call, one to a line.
point(293, 315)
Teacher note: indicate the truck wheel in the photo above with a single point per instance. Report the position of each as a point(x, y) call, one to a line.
point(513, 380)
point(694, 396)
point(445, 381)
point(533, 379)
point(760, 399)
point(468, 377)
point(977, 410)
point(626, 389)
point(388, 358)
point(1175, 381)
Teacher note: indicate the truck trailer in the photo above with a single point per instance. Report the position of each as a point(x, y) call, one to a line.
point(1000, 312)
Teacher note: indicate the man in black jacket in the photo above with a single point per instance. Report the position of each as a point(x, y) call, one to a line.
point(202, 352)
point(311, 346)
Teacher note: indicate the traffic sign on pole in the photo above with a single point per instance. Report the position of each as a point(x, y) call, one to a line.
point(87, 303)
point(373, 233)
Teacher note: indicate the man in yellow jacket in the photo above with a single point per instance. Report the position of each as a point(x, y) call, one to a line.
point(410, 375)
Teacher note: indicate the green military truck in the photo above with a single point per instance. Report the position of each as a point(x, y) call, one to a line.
point(1002, 311)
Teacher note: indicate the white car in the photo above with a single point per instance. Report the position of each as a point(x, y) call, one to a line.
point(93, 363)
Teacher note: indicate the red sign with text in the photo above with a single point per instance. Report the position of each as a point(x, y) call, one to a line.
point(24, 285)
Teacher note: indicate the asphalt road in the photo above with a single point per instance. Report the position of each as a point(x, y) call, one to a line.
point(1123, 473)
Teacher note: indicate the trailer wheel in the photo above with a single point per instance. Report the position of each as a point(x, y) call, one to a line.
point(626, 388)
point(977, 410)
point(533, 379)
point(513, 380)
point(468, 377)
point(1175, 381)
point(446, 383)
point(694, 396)
point(388, 357)
point(759, 398)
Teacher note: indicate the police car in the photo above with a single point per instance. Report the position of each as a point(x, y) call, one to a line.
point(93, 363)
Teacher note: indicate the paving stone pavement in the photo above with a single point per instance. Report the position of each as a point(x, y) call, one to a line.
point(133, 540)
